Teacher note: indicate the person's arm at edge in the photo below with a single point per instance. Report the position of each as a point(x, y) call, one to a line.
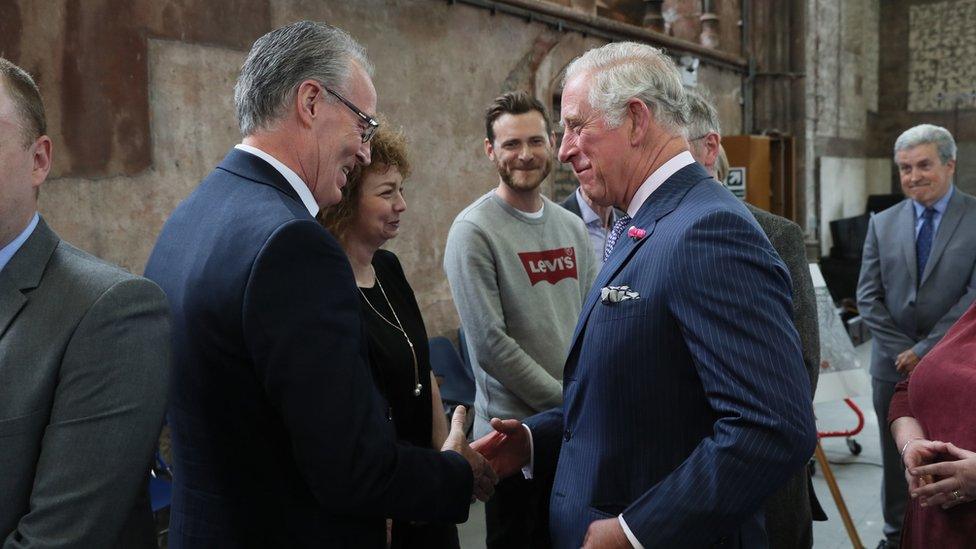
point(107, 414)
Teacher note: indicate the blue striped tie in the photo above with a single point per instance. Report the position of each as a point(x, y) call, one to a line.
point(618, 228)
point(923, 244)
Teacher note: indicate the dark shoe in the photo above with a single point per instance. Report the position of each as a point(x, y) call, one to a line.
point(884, 544)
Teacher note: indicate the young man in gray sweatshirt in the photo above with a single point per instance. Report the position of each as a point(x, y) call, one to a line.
point(520, 267)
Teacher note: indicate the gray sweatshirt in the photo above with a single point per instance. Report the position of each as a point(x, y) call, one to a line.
point(519, 284)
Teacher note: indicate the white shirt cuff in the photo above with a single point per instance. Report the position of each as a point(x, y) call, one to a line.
point(630, 535)
point(528, 469)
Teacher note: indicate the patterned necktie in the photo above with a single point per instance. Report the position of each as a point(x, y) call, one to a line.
point(618, 228)
point(923, 244)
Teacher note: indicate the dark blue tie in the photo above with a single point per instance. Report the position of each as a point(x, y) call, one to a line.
point(923, 244)
point(618, 228)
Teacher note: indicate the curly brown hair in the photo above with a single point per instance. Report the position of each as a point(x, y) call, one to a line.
point(388, 149)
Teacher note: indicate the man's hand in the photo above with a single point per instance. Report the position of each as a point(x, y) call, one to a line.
point(906, 362)
point(606, 534)
point(507, 449)
point(957, 479)
point(484, 476)
point(920, 452)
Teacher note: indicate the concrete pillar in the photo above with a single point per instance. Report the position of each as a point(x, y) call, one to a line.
point(709, 25)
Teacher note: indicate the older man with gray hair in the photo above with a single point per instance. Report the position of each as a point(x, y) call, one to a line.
point(917, 278)
point(788, 515)
point(685, 400)
point(280, 437)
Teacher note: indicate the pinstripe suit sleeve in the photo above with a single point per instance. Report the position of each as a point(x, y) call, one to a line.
point(547, 431)
point(730, 295)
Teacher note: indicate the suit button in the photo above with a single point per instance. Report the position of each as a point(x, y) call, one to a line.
point(567, 435)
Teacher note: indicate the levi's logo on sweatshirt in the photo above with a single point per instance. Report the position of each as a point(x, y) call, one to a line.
point(549, 265)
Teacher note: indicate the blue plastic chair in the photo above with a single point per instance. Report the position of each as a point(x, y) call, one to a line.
point(457, 387)
point(160, 484)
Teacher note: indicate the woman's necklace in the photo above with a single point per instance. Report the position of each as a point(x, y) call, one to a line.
point(399, 327)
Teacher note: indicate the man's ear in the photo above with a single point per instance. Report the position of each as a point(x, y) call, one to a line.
point(489, 149)
point(43, 149)
point(641, 119)
point(307, 101)
point(712, 142)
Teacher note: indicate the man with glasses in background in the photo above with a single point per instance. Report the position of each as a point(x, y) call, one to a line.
point(280, 438)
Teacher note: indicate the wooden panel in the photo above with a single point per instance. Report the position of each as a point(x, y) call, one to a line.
point(752, 153)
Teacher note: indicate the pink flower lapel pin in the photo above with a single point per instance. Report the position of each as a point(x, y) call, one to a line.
point(636, 233)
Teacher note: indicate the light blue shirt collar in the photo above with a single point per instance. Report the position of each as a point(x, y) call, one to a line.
point(939, 206)
point(8, 251)
point(589, 216)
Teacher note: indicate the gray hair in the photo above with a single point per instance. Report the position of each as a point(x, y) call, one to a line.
point(928, 133)
point(285, 57)
point(625, 70)
point(702, 116)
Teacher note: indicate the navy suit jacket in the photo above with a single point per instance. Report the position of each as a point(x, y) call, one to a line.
point(686, 408)
point(279, 434)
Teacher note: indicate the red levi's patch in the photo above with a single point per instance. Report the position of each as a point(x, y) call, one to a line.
point(549, 265)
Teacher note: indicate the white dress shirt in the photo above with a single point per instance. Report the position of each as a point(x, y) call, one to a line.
point(296, 182)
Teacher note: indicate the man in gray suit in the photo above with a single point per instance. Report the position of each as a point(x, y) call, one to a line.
point(917, 279)
point(84, 352)
point(788, 512)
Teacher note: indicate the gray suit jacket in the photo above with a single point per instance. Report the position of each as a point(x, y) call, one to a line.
point(84, 362)
point(901, 312)
point(788, 515)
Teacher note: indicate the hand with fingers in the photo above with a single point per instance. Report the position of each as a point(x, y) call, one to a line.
point(606, 534)
point(918, 452)
point(906, 361)
point(484, 476)
point(507, 449)
point(955, 480)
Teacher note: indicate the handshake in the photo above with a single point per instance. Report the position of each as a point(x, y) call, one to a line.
point(494, 456)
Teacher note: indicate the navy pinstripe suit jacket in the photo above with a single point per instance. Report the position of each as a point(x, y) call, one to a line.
point(686, 408)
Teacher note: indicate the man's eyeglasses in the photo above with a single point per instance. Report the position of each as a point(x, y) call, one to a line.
point(371, 123)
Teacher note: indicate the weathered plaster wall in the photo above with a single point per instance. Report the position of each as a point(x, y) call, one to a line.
point(842, 89)
point(139, 96)
point(845, 184)
point(928, 67)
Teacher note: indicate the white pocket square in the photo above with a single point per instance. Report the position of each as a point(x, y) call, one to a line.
point(616, 294)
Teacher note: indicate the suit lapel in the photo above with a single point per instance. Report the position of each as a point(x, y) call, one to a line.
point(906, 234)
point(24, 272)
point(950, 220)
point(661, 202)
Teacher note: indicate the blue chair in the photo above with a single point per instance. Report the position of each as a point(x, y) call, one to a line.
point(457, 387)
point(160, 484)
point(160, 495)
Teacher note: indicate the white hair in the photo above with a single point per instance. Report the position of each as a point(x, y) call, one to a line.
point(285, 57)
point(624, 70)
point(702, 116)
point(928, 133)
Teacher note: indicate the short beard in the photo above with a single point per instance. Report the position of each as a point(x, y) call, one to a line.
point(506, 176)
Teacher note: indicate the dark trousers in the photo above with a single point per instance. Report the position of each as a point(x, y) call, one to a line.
point(517, 516)
point(407, 535)
point(894, 489)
